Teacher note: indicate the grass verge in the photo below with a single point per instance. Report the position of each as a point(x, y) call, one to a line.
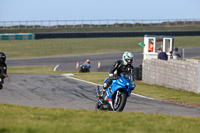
point(23, 119)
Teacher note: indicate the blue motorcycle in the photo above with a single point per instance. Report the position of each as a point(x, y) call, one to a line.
point(115, 96)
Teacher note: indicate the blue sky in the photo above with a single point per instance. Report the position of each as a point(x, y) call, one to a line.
point(19, 10)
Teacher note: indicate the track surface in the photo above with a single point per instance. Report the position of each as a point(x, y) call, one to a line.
point(58, 91)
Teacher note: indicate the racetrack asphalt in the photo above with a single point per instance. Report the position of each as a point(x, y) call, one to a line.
point(49, 90)
point(45, 90)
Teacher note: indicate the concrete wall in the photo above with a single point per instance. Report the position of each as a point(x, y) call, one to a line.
point(177, 74)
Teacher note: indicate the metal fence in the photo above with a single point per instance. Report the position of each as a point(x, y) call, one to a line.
point(99, 23)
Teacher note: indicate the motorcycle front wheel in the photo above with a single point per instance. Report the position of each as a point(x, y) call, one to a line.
point(120, 101)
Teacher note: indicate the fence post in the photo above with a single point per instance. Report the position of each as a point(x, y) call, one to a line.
point(56, 24)
point(116, 23)
point(4, 25)
point(81, 23)
point(167, 22)
point(99, 23)
point(150, 23)
point(26, 24)
point(49, 23)
point(193, 21)
point(41, 25)
point(34, 24)
point(74, 24)
point(90, 23)
point(65, 24)
point(159, 22)
point(19, 24)
point(11, 24)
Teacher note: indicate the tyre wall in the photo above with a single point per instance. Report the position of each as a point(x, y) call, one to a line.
point(114, 34)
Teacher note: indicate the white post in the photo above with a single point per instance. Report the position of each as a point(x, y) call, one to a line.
point(26, 24)
point(19, 24)
point(41, 25)
point(74, 24)
point(82, 24)
point(183, 54)
point(65, 23)
point(99, 23)
point(90, 23)
point(11, 24)
point(4, 25)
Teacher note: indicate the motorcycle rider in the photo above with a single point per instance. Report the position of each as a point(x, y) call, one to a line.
point(3, 68)
point(87, 63)
point(119, 66)
point(85, 67)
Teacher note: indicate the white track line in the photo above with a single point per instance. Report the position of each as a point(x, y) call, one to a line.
point(56, 67)
point(68, 76)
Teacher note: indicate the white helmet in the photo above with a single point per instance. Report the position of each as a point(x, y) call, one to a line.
point(127, 56)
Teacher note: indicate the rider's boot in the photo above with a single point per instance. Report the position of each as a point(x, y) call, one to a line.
point(103, 90)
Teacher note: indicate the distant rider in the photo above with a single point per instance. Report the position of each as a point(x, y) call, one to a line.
point(87, 63)
point(123, 65)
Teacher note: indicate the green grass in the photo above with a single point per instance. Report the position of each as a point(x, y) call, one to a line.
point(198, 58)
point(33, 69)
point(61, 47)
point(23, 119)
point(158, 92)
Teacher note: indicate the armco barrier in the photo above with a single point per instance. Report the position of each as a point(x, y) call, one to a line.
point(17, 36)
point(114, 34)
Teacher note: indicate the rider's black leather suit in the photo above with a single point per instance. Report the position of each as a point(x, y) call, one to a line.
point(117, 68)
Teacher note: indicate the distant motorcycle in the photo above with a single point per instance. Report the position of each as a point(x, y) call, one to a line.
point(115, 96)
point(84, 68)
